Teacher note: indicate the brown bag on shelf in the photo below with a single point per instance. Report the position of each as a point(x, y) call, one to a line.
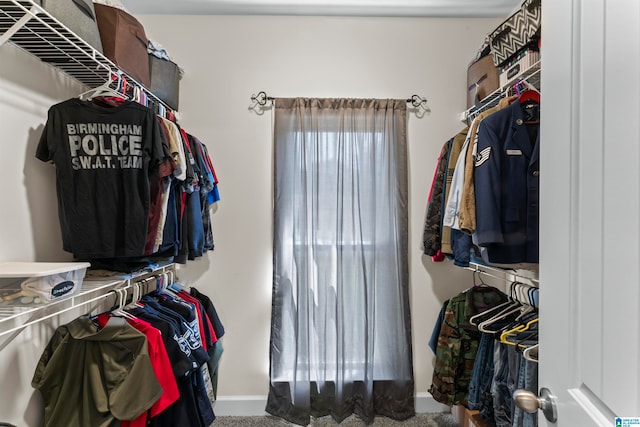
point(482, 79)
point(78, 16)
point(124, 42)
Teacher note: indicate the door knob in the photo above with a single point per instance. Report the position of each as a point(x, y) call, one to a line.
point(529, 402)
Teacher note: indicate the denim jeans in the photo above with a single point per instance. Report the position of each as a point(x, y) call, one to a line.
point(502, 399)
point(480, 397)
point(514, 369)
point(528, 380)
point(481, 367)
point(461, 246)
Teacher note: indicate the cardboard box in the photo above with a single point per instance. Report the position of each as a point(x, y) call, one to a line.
point(459, 412)
point(475, 420)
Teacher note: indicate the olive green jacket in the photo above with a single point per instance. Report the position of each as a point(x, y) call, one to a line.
point(95, 377)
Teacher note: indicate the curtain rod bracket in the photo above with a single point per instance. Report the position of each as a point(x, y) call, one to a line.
point(261, 98)
point(417, 101)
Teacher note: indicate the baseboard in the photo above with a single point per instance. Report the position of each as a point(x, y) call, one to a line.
point(253, 406)
point(426, 404)
point(240, 406)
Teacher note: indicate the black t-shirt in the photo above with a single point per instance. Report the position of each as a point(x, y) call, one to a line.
point(103, 156)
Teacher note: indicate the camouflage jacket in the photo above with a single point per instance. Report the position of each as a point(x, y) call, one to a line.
point(432, 234)
point(458, 344)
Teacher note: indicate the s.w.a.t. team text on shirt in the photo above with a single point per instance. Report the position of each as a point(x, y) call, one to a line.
point(105, 146)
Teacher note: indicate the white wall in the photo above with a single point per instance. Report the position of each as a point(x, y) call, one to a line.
point(226, 59)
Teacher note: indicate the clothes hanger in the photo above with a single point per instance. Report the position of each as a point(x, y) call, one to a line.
point(528, 96)
point(144, 285)
point(524, 340)
point(520, 328)
point(512, 316)
point(533, 296)
point(478, 274)
point(522, 295)
point(531, 353)
point(508, 315)
point(510, 303)
point(105, 90)
point(480, 317)
point(174, 284)
point(136, 292)
point(163, 286)
point(122, 300)
point(504, 319)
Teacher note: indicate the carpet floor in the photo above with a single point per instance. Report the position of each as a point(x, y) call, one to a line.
point(420, 420)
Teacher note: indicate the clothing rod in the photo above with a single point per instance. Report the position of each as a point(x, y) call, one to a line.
point(481, 269)
point(64, 310)
point(262, 99)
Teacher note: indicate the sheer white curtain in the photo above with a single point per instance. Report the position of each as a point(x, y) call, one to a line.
point(340, 332)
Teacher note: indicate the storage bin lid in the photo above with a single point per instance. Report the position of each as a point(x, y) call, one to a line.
point(10, 269)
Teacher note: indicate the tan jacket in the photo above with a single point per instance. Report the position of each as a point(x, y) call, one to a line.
point(468, 198)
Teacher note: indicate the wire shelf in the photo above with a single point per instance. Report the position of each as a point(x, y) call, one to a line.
point(15, 316)
point(31, 28)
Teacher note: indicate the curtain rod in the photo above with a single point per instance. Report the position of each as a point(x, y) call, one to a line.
point(261, 99)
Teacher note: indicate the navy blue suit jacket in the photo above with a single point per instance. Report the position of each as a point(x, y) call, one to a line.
point(507, 182)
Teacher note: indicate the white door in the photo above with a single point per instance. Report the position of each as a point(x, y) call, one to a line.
point(590, 210)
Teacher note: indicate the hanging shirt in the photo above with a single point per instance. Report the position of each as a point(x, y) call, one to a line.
point(159, 181)
point(176, 147)
point(162, 368)
point(103, 158)
point(210, 309)
point(95, 377)
point(452, 206)
point(185, 364)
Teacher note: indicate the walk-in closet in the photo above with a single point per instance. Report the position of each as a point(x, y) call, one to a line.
point(320, 213)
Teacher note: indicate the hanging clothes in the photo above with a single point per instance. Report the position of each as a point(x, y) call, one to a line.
point(124, 178)
point(432, 234)
point(91, 376)
point(507, 170)
point(456, 150)
point(153, 365)
point(458, 343)
point(161, 367)
point(467, 210)
point(103, 158)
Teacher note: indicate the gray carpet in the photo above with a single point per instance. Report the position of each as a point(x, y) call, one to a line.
point(420, 420)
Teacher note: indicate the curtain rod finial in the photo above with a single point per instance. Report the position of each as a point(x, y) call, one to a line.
point(261, 98)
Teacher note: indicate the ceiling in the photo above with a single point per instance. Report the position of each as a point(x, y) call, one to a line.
point(391, 8)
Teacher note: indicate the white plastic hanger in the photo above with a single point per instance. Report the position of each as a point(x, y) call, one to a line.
point(104, 89)
point(510, 303)
point(122, 299)
point(517, 306)
point(531, 353)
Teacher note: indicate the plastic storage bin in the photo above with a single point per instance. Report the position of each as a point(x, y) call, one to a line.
point(39, 282)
